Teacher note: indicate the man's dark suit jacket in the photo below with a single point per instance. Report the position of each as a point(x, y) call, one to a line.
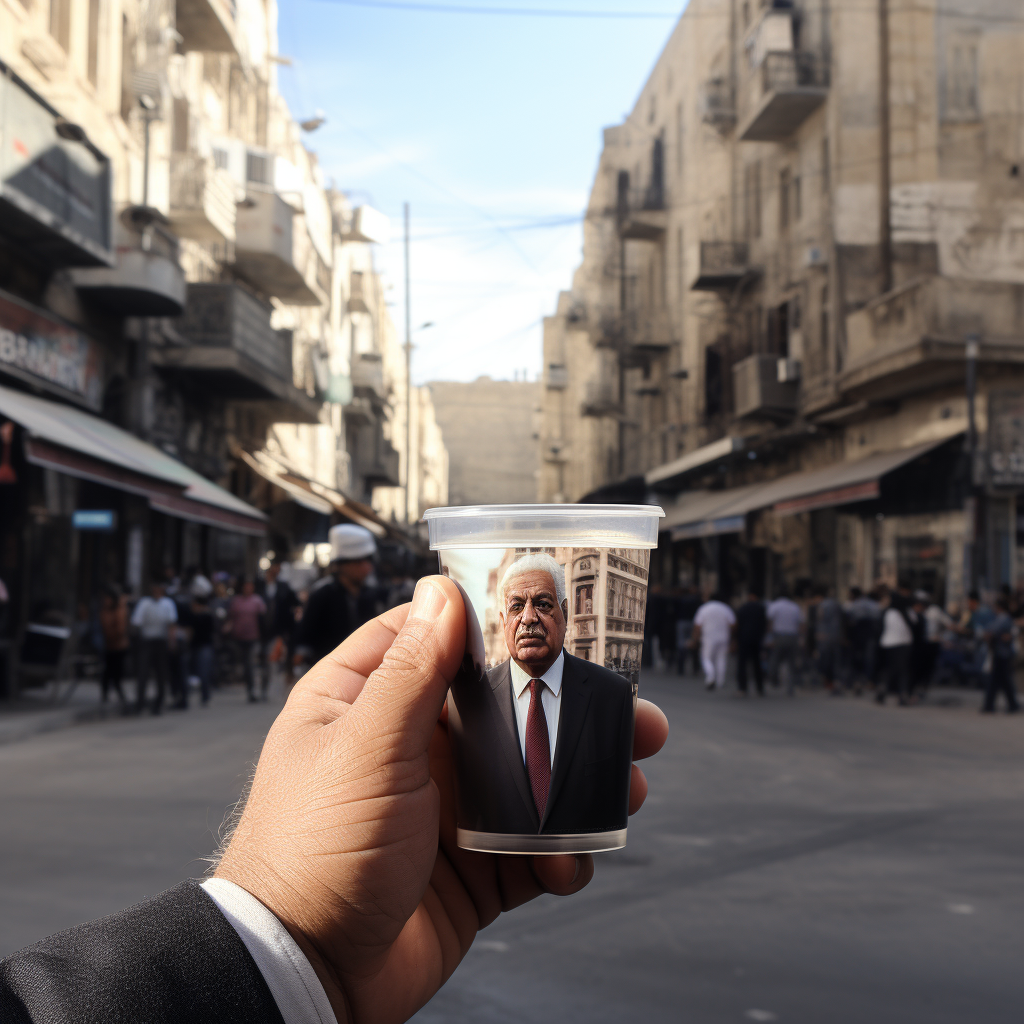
point(589, 789)
point(174, 958)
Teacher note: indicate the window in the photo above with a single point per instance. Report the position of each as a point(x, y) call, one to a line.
point(220, 158)
point(680, 265)
point(798, 210)
point(258, 168)
point(680, 138)
point(752, 199)
point(826, 168)
point(713, 397)
point(962, 79)
point(785, 182)
point(179, 126)
point(824, 327)
point(93, 56)
point(127, 67)
point(60, 22)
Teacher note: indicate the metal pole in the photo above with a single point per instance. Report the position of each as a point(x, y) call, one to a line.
point(408, 378)
point(972, 510)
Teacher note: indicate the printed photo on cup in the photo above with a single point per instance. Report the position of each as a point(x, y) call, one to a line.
point(541, 713)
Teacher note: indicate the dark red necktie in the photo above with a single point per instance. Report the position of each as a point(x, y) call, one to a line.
point(538, 749)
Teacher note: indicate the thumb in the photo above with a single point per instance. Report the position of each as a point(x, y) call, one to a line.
point(401, 701)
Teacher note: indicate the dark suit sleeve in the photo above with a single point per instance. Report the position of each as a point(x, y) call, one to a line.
point(172, 958)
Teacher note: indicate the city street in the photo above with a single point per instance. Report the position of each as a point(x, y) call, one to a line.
point(800, 860)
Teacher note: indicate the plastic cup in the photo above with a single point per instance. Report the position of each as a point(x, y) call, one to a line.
point(541, 712)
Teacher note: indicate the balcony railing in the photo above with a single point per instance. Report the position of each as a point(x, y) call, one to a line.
point(557, 377)
point(202, 200)
point(601, 398)
point(368, 376)
point(718, 104)
point(912, 338)
point(642, 213)
point(206, 25)
point(765, 386)
point(781, 93)
point(722, 265)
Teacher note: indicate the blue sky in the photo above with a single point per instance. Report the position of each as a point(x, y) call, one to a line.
point(487, 125)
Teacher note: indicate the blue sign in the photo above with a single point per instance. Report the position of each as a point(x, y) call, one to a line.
point(94, 519)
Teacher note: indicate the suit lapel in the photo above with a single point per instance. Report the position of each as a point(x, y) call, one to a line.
point(508, 731)
point(571, 716)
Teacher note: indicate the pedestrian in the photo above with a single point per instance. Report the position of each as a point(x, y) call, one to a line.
point(897, 649)
point(828, 639)
point(979, 621)
point(686, 609)
point(279, 622)
point(344, 599)
point(863, 623)
point(155, 618)
point(714, 626)
point(785, 618)
point(204, 658)
point(1000, 680)
point(751, 626)
point(114, 626)
point(246, 610)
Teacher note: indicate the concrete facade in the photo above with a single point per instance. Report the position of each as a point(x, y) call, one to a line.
point(743, 280)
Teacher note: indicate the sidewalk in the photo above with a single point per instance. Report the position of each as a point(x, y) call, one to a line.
point(31, 715)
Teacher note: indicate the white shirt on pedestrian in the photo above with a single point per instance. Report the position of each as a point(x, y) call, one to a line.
point(152, 617)
point(785, 616)
point(936, 622)
point(716, 620)
point(550, 701)
point(895, 629)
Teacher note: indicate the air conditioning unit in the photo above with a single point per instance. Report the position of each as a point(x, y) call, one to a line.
point(788, 370)
point(759, 391)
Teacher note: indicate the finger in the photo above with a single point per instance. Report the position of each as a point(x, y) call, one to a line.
point(401, 700)
point(565, 874)
point(637, 790)
point(651, 730)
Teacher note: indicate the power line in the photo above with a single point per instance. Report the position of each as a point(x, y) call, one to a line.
point(526, 12)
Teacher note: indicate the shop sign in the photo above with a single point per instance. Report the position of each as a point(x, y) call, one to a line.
point(39, 348)
point(1005, 456)
point(102, 519)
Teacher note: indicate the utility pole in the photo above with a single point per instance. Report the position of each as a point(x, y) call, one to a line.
point(971, 509)
point(408, 378)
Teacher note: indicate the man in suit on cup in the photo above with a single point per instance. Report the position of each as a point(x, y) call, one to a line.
point(544, 741)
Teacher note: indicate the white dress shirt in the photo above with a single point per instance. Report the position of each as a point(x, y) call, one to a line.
point(550, 701)
point(289, 975)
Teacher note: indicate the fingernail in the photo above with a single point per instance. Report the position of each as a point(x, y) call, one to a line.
point(427, 602)
point(579, 867)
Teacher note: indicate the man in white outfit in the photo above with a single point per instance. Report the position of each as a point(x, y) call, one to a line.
point(714, 626)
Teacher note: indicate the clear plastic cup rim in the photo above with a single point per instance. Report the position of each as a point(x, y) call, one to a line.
point(495, 526)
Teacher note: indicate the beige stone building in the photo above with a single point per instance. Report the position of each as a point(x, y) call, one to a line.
point(789, 240)
point(490, 431)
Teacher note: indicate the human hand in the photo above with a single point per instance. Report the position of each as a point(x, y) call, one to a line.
point(348, 835)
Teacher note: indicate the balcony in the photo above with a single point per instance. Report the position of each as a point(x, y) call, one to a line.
point(273, 250)
point(234, 353)
point(722, 265)
point(55, 185)
point(202, 203)
point(147, 279)
point(376, 461)
point(765, 386)
point(357, 293)
point(642, 213)
point(206, 25)
point(718, 104)
point(912, 338)
point(781, 93)
point(601, 399)
point(557, 377)
point(368, 376)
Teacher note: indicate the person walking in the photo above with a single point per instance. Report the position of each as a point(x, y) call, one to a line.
point(751, 626)
point(204, 658)
point(714, 626)
point(863, 622)
point(245, 611)
point(828, 629)
point(1000, 678)
point(897, 648)
point(343, 600)
point(937, 626)
point(785, 617)
point(279, 622)
point(155, 617)
point(114, 626)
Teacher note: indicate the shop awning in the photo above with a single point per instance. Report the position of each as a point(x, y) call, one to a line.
point(708, 513)
point(839, 484)
point(261, 464)
point(74, 442)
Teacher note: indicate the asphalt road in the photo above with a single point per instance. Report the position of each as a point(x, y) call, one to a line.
point(807, 860)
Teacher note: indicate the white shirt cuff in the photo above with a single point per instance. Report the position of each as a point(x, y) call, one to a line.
point(291, 979)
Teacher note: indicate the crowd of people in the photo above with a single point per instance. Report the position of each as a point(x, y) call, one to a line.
point(198, 633)
point(892, 642)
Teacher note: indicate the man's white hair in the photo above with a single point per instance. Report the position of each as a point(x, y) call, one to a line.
point(536, 561)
